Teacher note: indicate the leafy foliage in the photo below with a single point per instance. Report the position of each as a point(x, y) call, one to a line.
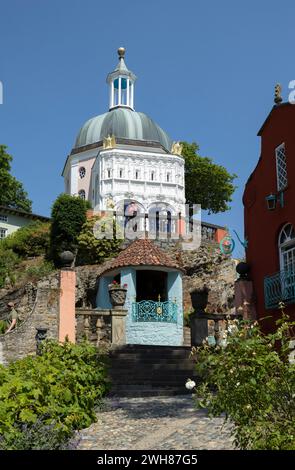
point(41, 435)
point(206, 183)
point(31, 240)
point(12, 192)
point(60, 387)
point(8, 262)
point(92, 250)
point(68, 217)
point(253, 383)
point(43, 269)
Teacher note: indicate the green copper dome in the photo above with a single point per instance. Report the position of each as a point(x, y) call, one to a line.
point(125, 123)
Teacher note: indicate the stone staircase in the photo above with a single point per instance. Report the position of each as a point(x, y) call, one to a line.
point(139, 370)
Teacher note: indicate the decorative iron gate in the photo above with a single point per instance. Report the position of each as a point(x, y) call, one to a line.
point(151, 311)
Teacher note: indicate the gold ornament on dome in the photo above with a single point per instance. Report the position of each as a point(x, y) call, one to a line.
point(110, 203)
point(176, 148)
point(109, 142)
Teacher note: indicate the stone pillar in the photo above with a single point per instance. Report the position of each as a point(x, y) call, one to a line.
point(119, 326)
point(67, 320)
point(199, 329)
point(245, 299)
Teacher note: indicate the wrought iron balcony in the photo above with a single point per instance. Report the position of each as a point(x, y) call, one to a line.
point(151, 311)
point(279, 287)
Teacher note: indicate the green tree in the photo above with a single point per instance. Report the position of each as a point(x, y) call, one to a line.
point(68, 217)
point(206, 183)
point(92, 250)
point(12, 192)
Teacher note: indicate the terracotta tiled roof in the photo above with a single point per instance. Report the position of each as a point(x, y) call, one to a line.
point(142, 253)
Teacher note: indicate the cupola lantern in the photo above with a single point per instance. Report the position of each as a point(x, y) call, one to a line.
point(121, 82)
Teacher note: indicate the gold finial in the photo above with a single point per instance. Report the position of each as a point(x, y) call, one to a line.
point(159, 298)
point(278, 94)
point(121, 52)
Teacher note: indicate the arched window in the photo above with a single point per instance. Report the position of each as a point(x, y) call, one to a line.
point(82, 194)
point(287, 248)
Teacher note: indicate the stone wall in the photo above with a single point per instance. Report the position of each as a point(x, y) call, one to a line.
point(21, 341)
point(205, 269)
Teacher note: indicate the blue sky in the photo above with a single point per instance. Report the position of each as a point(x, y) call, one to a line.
point(206, 72)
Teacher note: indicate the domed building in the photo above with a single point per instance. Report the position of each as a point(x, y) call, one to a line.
point(123, 156)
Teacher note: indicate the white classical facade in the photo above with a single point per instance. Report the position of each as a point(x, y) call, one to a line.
point(123, 155)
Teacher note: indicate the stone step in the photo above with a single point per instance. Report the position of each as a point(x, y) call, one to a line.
point(154, 356)
point(126, 362)
point(140, 370)
point(152, 376)
point(152, 367)
point(146, 347)
point(139, 391)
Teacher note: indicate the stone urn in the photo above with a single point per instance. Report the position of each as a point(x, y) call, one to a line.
point(117, 296)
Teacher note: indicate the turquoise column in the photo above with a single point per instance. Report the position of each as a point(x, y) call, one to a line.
point(175, 294)
point(128, 276)
point(103, 299)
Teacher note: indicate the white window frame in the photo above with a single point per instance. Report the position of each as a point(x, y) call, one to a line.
point(3, 233)
point(281, 167)
point(3, 218)
point(287, 245)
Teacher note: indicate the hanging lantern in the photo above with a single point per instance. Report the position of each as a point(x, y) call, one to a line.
point(271, 201)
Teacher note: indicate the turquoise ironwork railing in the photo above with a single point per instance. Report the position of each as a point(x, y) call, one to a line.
point(151, 311)
point(279, 287)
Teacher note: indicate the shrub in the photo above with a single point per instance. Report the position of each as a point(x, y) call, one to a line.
point(31, 240)
point(40, 435)
point(33, 273)
point(253, 383)
point(62, 386)
point(68, 217)
point(92, 250)
point(8, 261)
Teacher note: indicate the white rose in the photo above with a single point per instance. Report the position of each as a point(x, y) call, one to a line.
point(190, 384)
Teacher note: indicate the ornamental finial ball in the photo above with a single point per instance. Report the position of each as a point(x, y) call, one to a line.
point(121, 52)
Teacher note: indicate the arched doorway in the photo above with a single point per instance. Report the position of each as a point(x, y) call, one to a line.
point(161, 220)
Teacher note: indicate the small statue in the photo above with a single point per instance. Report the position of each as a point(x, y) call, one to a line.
point(110, 203)
point(109, 142)
point(176, 148)
point(278, 94)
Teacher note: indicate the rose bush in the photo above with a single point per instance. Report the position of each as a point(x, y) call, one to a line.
point(251, 381)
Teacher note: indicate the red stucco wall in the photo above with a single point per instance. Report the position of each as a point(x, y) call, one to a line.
point(261, 225)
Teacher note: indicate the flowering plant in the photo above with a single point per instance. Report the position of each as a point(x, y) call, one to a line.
point(252, 381)
point(117, 285)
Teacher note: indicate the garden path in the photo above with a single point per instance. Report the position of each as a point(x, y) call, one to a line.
point(157, 423)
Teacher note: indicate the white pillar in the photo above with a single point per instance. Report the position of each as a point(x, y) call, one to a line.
point(132, 95)
point(74, 178)
point(112, 95)
point(128, 94)
point(119, 92)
